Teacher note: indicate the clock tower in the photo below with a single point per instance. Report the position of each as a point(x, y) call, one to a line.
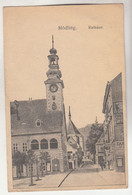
point(54, 85)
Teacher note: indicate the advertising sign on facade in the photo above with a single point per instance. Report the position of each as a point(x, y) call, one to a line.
point(119, 147)
point(119, 133)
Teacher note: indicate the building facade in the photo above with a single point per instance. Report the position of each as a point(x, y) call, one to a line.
point(113, 125)
point(75, 145)
point(100, 151)
point(40, 125)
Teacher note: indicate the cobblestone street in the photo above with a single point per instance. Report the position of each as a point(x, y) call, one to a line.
point(81, 177)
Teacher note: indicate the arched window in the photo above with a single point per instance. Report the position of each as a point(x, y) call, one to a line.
point(53, 143)
point(34, 145)
point(44, 144)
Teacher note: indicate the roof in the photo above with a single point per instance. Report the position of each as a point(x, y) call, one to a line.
point(29, 112)
point(72, 128)
point(116, 87)
point(85, 130)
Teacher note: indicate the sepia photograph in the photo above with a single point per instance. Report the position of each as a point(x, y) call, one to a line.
point(65, 97)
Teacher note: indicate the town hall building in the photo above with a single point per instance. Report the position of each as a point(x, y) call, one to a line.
point(40, 125)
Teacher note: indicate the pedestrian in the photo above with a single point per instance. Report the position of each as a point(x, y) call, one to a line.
point(102, 164)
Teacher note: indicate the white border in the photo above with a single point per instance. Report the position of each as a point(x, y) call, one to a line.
point(128, 59)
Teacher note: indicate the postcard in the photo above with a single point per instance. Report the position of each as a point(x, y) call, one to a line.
point(65, 97)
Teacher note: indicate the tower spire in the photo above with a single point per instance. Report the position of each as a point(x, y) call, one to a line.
point(69, 113)
point(54, 85)
point(52, 41)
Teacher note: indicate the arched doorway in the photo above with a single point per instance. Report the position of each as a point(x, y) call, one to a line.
point(55, 165)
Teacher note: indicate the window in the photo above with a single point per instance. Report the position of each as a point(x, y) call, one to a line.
point(34, 145)
point(53, 143)
point(53, 97)
point(42, 167)
point(119, 119)
point(24, 147)
point(44, 144)
point(15, 148)
point(69, 155)
point(31, 168)
point(38, 123)
point(119, 162)
point(101, 149)
point(118, 107)
point(54, 107)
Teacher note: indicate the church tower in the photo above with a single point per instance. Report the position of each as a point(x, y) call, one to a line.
point(54, 84)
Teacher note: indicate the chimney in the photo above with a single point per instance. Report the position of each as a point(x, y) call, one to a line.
point(17, 105)
point(30, 99)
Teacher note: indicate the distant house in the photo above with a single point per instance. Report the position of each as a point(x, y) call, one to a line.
point(85, 133)
point(100, 155)
point(75, 145)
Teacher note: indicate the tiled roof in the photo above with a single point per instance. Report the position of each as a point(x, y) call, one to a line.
point(72, 128)
point(29, 112)
point(116, 86)
point(85, 130)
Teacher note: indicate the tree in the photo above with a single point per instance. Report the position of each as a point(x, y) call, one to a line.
point(19, 159)
point(94, 134)
point(44, 157)
point(37, 166)
point(79, 154)
point(30, 161)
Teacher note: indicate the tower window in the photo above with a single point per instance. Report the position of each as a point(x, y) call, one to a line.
point(54, 107)
point(53, 97)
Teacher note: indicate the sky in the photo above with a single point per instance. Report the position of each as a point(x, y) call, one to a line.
point(88, 58)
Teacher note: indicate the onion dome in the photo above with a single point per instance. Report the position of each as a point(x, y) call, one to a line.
point(53, 51)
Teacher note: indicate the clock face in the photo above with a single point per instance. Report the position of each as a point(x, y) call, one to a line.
point(53, 88)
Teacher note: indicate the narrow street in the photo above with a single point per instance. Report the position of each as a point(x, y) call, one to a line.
point(93, 176)
point(86, 176)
